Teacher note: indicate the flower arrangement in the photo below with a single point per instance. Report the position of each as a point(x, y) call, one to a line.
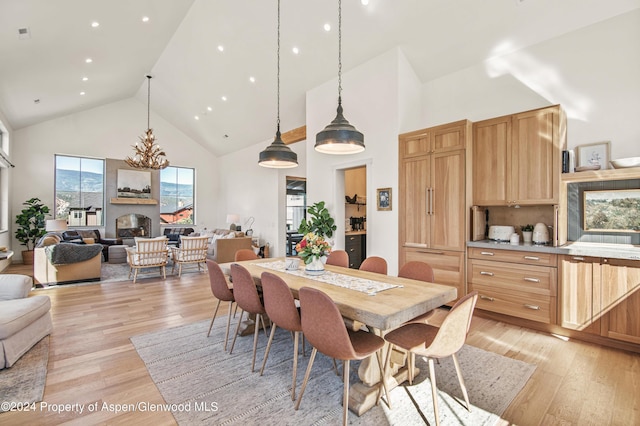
point(312, 247)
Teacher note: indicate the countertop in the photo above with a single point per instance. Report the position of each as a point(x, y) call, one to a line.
point(614, 251)
point(355, 233)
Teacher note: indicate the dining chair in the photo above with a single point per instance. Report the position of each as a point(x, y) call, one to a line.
point(434, 343)
point(324, 327)
point(245, 254)
point(192, 250)
point(246, 294)
point(222, 292)
point(374, 264)
point(419, 271)
point(338, 258)
point(148, 253)
point(281, 309)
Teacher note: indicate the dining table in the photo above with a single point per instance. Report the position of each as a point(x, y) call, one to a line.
point(375, 302)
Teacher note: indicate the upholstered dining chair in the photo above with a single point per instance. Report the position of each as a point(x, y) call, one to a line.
point(338, 258)
point(281, 309)
point(246, 294)
point(222, 292)
point(192, 250)
point(434, 343)
point(420, 271)
point(374, 264)
point(148, 253)
point(245, 254)
point(323, 326)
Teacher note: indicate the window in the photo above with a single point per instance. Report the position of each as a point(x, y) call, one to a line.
point(296, 202)
point(79, 190)
point(176, 195)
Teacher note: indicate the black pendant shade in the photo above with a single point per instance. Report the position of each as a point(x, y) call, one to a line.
point(339, 137)
point(278, 155)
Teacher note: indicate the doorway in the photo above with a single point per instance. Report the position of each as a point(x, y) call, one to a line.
point(296, 210)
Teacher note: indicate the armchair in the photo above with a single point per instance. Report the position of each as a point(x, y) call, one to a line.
point(191, 250)
point(148, 253)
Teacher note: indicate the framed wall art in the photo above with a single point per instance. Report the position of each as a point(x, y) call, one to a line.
point(134, 184)
point(595, 154)
point(383, 199)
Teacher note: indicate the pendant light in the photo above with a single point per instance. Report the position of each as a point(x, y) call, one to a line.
point(149, 155)
point(339, 137)
point(278, 155)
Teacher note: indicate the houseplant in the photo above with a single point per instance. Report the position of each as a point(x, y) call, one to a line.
point(31, 226)
point(527, 233)
point(320, 221)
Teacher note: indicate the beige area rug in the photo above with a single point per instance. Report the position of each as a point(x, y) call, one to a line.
point(209, 386)
point(23, 383)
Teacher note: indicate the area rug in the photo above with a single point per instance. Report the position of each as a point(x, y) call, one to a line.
point(205, 385)
point(23, 383)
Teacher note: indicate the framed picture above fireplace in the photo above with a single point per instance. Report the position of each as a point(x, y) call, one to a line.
point(134, 184)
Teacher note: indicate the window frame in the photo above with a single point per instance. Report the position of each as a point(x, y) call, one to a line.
point(193, 196)
point(56, 212)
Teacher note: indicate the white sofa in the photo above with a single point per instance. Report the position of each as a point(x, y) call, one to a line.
point(24, 320)
point(224, 243)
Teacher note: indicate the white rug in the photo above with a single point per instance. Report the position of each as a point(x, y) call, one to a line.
point(23, 383)
point(209, 386)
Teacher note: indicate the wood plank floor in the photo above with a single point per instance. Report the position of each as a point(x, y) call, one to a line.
point(93, 361)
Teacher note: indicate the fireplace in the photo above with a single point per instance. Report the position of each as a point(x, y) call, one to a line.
point(133, 225)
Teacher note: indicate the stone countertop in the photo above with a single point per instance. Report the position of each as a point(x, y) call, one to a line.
point(614, 251)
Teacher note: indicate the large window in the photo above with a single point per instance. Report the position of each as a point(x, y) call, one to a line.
point(79, 190)
point(176, 195)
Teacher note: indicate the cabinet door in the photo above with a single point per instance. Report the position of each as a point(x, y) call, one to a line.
point(447, 201)
point(491, 150)
point(448, 138)
point(620, 294)
point(448, 266)
point(535, 157)
point(578, 277)
point(415, 144)
point(414, 185)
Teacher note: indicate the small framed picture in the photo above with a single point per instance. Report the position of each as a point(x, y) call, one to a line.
point(595, 154)
point(384, 198)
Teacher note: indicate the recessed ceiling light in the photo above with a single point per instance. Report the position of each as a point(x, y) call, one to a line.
point(196, 117)
point(252, 79)
point(85, 78)
point(221, 48)
point(224, 98)
point(82, 93)
point(209, 109)
point(145, 19)
point(95, 24)
point(327, 27)
point(364, 2)
point(295, 50)
point(88, 60)
point(36, 101)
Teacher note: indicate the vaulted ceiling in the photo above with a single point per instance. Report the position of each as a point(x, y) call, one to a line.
point(202, 53)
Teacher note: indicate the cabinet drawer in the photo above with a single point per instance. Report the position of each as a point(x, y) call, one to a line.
point(514, 256)
point(534, 307)
point(513, 278)
point(352, 241)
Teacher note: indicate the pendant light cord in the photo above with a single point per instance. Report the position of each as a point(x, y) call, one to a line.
point(339, 49)
point(278, 119)
point(148, 101)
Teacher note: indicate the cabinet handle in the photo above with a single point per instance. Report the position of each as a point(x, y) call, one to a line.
point(490, 299)
point(430, 252)
point(427, 201)
point(433, 207)
point(486, 273)
point(532, 280)
point(352, 238)
point(534, 307)
point(578, 258)
point(486, 253)
point(351, 250)
point(532, 257)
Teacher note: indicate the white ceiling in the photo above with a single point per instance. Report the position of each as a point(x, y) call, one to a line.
point(179, 47)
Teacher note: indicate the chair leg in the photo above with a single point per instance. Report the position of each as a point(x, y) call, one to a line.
point(345, 393)
point(306, 377)
point(387, 365)
point(434, 391)
point(173, 268)
point(236, 333)
point(135, 275)
point(214, 317)
point(226, 334)
point(461, 380)
point(266, 352)
point(180, 270)
point(255, 339)
point(296, 338)
point(383, 378)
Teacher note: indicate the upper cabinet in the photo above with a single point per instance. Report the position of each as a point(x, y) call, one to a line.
point(517, 158)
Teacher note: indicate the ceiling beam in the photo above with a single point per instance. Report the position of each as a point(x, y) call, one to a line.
point(295, 135)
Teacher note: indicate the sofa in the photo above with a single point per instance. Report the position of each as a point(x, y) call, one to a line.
point(24, 320)
point(174, 234)
point(91, 236)
point(59, 263)
point(224, 243)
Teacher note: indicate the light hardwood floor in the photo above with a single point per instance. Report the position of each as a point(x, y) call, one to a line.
point(92, 359)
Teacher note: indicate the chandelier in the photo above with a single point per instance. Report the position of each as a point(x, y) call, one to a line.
point(148, 154)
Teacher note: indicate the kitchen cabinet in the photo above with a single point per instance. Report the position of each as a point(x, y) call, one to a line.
point(433, 202)
point(355, 246)
point(516, 283)
point(517, 158)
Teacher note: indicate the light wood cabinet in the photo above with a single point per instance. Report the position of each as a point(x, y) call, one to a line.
point(517, 158)
point(433, 201)
point(577, 297)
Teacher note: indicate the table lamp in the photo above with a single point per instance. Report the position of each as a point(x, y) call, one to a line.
point(233, 219)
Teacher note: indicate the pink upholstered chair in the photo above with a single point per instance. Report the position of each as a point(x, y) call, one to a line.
point(374, 264)
point(222, 292)
point(419, 271)
point(281, 309)
point(433, 343)
point(324, 328)
point(245, 254)
point(338, 258)
point(247, 297)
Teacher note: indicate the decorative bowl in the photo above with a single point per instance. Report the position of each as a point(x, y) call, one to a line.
point(623, 163)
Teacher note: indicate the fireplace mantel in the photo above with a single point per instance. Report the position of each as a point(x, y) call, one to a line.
point(133, 201)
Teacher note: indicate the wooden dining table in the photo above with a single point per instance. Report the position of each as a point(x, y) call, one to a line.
point(380, 311)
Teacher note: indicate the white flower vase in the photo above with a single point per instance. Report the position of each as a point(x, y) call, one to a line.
point(315, 267)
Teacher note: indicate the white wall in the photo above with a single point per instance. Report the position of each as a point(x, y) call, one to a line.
point(108, 131)
point(594, 73)
point(6, 174)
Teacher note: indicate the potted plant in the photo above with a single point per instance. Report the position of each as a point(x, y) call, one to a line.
point(320, 222)
point(31, 227)
point(527, 233)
